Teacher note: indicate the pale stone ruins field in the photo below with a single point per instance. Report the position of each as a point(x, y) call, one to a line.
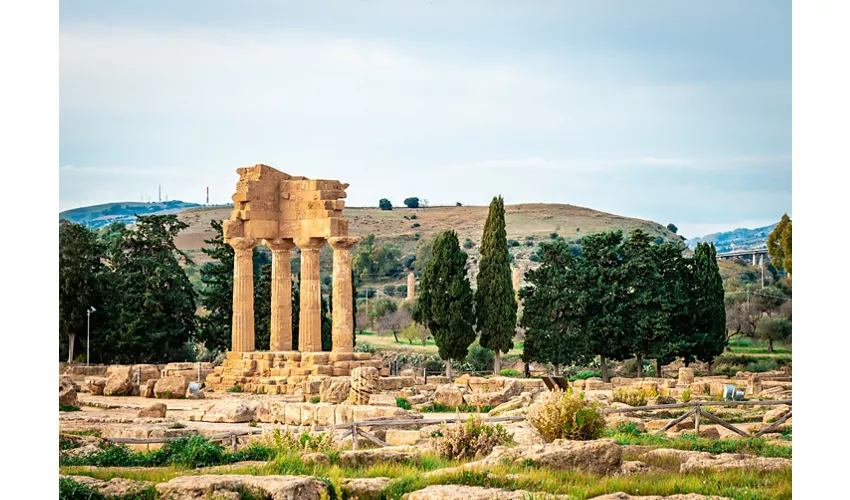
point(150, 401)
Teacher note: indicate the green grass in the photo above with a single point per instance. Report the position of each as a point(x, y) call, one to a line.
point(627, 435)
point(464, 408)
point(403, 404)
point(408, 477)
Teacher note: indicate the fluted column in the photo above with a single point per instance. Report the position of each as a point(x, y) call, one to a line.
point(343, 302)
point(243, 295)
point(281, 324)
point(411, 287)
point(310, 320)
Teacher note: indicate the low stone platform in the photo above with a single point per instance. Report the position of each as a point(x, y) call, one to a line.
point(283, 372)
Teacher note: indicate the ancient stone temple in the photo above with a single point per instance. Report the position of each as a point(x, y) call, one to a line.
point(282, 212)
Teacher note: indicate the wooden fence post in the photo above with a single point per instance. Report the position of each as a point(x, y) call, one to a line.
point(354, 432)
point(696, 420)
point(233, 442)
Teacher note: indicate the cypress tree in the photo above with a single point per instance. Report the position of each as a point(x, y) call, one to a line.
point(445, 303)
point(709, 340)
point(495, 302)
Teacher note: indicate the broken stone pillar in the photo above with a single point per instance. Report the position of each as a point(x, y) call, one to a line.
point(364, 383)
point(686, 375)
point(411, 287)
point(343, 301)
point(243, 295)
point(281, 321)
point(310, 321)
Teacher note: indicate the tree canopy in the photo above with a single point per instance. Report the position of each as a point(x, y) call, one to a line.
point(445, 302)
point(385, 204)
point(779, 244)
point(495, 300)
point(412, 202)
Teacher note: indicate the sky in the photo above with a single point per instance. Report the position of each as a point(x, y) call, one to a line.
point(663, 110)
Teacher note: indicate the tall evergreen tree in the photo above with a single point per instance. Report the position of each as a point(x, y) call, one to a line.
point(296, 309)
point(709, 338)
point(327, 325)
point(554, 304)
point(156, 304)
point(81, 276)
point(606, 297)
point(445, 303)
point(775, 247)
point(495, 301)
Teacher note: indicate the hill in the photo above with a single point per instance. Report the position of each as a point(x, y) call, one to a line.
point(97, 216)
point(738, 239)
point(528, 224)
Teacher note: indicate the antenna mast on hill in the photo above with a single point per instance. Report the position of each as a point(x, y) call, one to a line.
point(208, 195)
point(159, 194)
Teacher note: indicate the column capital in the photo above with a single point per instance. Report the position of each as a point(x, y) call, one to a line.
point(242, 243)
point(280, 244)
point(342, 242)
point(310, 243)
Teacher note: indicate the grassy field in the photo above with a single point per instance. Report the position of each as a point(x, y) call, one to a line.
point(387, 342)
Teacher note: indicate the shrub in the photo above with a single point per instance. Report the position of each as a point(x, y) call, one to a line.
point(235, 388)
point(553, 235)
point(534, 258)
point(287, 442)
point(177, 425)
point(763, 365)
point(315, 399)
point(585, 375)
point(565, 415)
point(513, 243)
point(193, 451)
point(686, 395)
point(480, 358)
point(403, 404)
point(468, 243)
point(415, 225)
point(630, 396)
point(470, 439)
point(364, 347)
point(508, 372)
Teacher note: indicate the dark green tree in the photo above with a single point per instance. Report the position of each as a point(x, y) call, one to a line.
point(216, 295)
point(606, 285)
point(412, 202)
point(327, 325)
point(385, 204)
point(155, 306)
point(263, 308)
point(445, 303)
point(775, 247)
point(81, 283)
point(709, 332)
point(554, 304)
point(676, 296)
point(672, 228)
point(495, 300)
point(773, 329)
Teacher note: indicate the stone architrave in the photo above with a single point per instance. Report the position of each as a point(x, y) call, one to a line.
point(243, 294)
point(343, 301)
point(411, 287)
point(281, 318)
point(310, 321)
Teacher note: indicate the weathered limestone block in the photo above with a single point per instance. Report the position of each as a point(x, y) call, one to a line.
point(229, 487)
point(172, 387)
point(601, 456)
point(335, 389)
point(460, 492)
point(448, 395)
point(393, 455)
point(148, 389)
point(119, 382)
point(67, 392)
point(96, 385)
point(156, 410)
point(479, 399)
point(596, 384)
point(382, 399)
point(145, 372)
point(371, 488)
point(475, 383)
point(364, 383)
point(232, 412)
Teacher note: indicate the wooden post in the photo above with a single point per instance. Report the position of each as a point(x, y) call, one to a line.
point(726, 425)
point(774, 425)
point(696, 420)
point(676, 421)
point(354, 433)
point(233, 442)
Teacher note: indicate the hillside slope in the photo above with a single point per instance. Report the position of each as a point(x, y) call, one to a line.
point(524, 222)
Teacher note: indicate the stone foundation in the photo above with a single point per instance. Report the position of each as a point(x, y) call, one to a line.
point(284, 372)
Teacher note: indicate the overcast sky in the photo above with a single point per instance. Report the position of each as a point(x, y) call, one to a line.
point(664, 110)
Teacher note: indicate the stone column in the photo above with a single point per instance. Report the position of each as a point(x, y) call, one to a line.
point(310, 321)
point(754, 259)
point(343, 302)
point(411, 287)
point(281, 324)
point(243, 295)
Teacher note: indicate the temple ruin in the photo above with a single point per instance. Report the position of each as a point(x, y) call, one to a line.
point(283, 211)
